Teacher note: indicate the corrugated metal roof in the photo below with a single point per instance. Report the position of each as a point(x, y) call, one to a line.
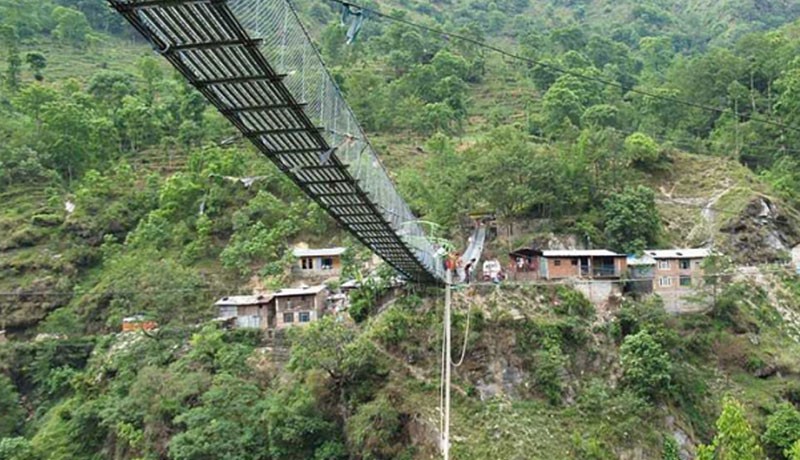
point(644, 259)
point(291, 292)
point(581, 253)
point(697, 253)
point(325, 252)
point(241, 300)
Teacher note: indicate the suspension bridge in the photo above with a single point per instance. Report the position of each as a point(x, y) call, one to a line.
point(255, 62)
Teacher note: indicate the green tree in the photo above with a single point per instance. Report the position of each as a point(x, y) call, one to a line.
point(511, 172)
point(794, 453)
point(17, 448)
point(33, 98)
point(299, 430)
point(642, 150)
point(72, 137)
point(783, 429)
point(9, 38)
point(646, 367)
point(735, 439)
point(152, 74)
point(561, 104)
point(229, 423)
point(631, 219)
point(110, 87)
point(602, 116)
point(10, 409)
point(71, 26)
point(37, 62)
point(336, 349)
point(375, 431)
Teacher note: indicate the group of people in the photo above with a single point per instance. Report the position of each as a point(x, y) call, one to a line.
point(453, 262)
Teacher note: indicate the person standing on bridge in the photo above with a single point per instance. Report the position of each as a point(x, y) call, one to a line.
point(468, 269)
point(452, 261)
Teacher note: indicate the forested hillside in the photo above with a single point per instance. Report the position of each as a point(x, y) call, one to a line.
point(622, 124)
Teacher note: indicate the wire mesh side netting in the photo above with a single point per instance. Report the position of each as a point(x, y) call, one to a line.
point(286, 45)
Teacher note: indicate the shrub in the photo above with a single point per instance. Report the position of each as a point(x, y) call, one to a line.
point(671, 451)
point(646, 367)
point(548, 371)
point(794, 453)
point(16, 449)
point(46, 220)
point(573, 303)
point(783, 430)
point(735, 439)
point(10, 411)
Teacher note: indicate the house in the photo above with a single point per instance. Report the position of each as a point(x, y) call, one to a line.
point(278, 310)
point(524, 264)
point(318, 262)
point(256, 311)
point(582, 263)
point(299, 306)
point(349, 286)
point(641, 273)
point(677, 269)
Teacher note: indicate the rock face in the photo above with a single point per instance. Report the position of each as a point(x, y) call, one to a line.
point(763, 233)
point(24, 308)
point(686, 447)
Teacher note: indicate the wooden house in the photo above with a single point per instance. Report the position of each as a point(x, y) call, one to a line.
point(256, 311)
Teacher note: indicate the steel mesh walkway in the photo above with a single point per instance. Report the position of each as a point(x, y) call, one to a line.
point(253, 60)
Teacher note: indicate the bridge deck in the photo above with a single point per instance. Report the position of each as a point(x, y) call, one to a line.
point(253, 61)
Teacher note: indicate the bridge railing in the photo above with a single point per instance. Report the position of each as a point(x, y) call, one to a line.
point(287, 46)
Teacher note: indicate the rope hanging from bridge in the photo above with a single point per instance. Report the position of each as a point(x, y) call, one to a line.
point(254, 61)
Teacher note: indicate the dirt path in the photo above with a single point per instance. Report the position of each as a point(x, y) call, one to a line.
point(703, 230)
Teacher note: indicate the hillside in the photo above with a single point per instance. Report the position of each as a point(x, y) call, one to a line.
point(618, 124)
point(543, 376)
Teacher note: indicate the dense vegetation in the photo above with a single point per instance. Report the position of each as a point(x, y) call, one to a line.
point(124, 193)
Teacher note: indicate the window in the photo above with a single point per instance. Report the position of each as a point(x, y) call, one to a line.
point(574, 261)
point(327, 263)
point(665, 281)
point(288, 317)
point(663, 264)
point(307, 263)
point(685, 264)
point(557, 262)
point(304, 316)
point(686, 280)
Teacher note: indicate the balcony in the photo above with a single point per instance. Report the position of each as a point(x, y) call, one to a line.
point(605, 272)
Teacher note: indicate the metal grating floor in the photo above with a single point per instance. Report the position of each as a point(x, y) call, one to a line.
point(207, 44)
